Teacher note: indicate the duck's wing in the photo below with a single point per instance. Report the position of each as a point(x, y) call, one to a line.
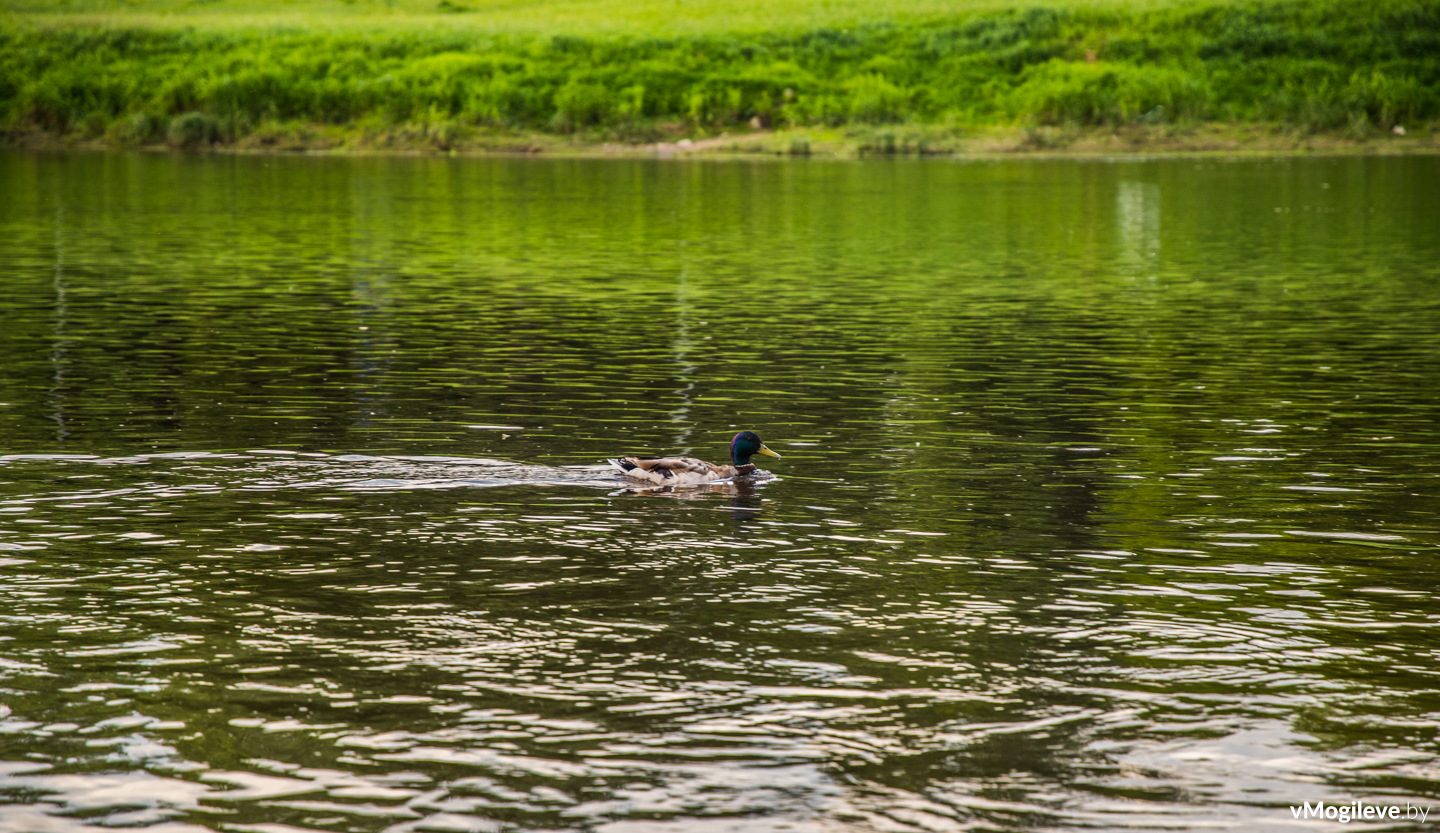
point(671, 471)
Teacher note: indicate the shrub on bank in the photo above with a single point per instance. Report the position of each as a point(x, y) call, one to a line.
point(192, 130)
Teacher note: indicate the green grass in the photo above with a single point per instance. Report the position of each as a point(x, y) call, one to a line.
point(193, 73)
point(644, 18)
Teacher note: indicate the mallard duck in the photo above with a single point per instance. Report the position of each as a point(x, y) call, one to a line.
point(681, 471)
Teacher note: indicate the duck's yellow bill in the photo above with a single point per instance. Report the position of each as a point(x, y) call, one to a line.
point(767, 452)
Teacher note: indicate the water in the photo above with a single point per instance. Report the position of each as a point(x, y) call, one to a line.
point(1108, 496)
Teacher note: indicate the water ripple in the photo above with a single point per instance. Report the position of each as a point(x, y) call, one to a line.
point(1105, 504)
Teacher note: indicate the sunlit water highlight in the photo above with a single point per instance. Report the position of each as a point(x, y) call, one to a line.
point(1108, 496)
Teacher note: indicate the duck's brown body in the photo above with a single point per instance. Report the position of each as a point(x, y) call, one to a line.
point(676, 471)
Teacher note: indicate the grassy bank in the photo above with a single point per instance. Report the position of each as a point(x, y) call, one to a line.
point(1332, 67)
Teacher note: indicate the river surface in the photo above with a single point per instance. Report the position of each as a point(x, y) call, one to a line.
point(1110, 495)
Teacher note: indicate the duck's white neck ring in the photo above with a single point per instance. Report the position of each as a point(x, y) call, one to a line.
point(748, 468)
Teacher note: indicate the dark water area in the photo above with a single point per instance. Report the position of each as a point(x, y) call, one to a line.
point(1108, 499)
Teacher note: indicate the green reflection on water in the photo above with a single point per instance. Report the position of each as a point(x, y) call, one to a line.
point(1093, 471)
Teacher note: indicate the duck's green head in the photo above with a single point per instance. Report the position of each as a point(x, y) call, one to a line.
point(746, 444)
